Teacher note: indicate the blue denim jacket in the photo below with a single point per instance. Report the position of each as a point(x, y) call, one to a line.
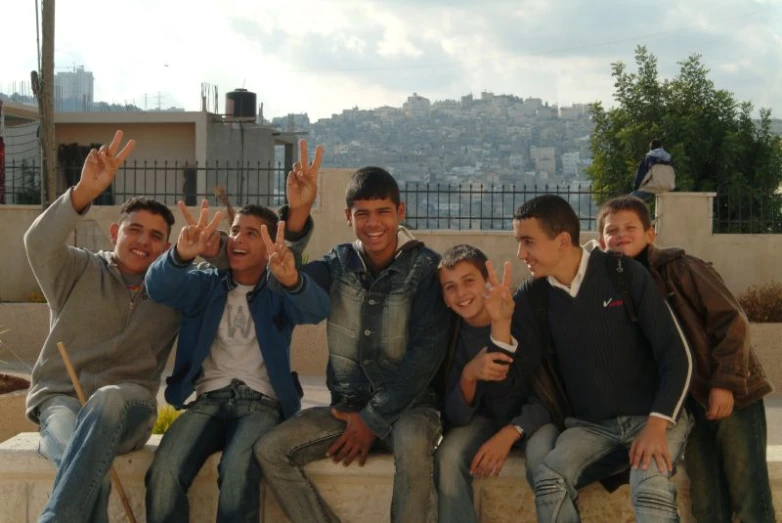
point(201, 294)
point(387, 335)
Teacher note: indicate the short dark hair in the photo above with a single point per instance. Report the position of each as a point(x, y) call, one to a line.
point(140, 203)
point(624, 203)
point(371, 183)
point(554, 214)
point(655, 144)
point(266, 215)
point(464, 253)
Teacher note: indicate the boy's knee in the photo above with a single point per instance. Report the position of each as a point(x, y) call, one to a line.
point(449, 458)
point(271, 449)
point(546, 480)
point(655, 493)
point(107, 402)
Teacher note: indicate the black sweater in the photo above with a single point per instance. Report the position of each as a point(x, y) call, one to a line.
point(611, 366)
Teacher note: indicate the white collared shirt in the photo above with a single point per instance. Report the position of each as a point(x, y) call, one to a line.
point(575, 285)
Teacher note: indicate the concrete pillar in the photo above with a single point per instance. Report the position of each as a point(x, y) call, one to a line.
point(685, 219)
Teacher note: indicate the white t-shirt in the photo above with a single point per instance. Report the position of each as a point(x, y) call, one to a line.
point(235, 353)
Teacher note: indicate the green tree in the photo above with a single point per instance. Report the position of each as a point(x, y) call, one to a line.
point(715, 144)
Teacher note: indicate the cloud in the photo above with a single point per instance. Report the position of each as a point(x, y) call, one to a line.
point(322, 57)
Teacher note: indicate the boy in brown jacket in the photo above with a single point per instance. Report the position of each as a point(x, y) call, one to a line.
point(726, 451)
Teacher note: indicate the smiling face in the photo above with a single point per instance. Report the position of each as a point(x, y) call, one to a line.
point(623, 231)
point(542, 254)
point(139, 238)
point(375, 223)
point(246, 250)
point(463, 288)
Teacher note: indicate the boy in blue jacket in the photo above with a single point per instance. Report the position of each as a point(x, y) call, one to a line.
point(234, 350)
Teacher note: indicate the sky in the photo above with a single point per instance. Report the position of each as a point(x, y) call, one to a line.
point(323, 56)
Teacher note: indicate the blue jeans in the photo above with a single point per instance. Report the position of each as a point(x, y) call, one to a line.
point(307, 436)
point(454, 457)
point(726, 463)
point(583, 446)
point(231, 420)
point(83, 441)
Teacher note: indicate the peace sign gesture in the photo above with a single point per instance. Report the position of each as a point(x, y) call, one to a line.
point(281, 261)
point(198, 238)
point(498, 298)
point(302, 182)
point(99, 169)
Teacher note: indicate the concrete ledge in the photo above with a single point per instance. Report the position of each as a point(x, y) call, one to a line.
point(356, 494)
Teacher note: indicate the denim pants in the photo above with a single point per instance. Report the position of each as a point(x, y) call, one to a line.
point(454, 457)
point(726, 463)
point(230, 420)
point(580, 450)
point(83, 441)
point(307, 436)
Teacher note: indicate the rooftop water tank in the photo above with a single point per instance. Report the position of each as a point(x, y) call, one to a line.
point(240, 105)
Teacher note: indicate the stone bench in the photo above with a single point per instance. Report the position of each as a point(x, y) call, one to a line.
point(356, 494)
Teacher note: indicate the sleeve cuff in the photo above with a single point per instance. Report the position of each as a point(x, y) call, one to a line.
point(375, 422)
point(297, 287)
point(176, 261)
point(510, 347)
point(663, 416)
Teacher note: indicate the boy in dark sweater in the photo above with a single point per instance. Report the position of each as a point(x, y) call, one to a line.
point(489, 410)
point(726, 451)
point(625, 375)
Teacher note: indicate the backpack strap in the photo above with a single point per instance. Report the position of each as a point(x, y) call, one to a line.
point(619, 271)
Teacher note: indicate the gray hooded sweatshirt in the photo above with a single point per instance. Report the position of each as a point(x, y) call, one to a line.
point(111, 336)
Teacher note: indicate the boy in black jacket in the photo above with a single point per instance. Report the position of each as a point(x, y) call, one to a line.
point(625, 367)
point(486, 402)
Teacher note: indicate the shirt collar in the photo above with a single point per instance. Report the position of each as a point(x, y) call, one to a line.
point(575, 285)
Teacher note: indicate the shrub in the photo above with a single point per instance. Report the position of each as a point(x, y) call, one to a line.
point(165, 417)
point(763, 303)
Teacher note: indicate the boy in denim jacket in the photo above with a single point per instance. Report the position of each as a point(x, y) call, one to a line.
point(387, 335)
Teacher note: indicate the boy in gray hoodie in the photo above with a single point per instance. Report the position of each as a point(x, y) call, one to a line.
point(118, 340)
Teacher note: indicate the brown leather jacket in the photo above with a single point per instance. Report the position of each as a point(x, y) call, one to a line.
point(714, 324)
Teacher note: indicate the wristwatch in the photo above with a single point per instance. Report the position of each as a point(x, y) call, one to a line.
point(520, 430)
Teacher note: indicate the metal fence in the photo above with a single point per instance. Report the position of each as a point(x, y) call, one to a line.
point(483, 206)
point(163, 181)
point(746, 211)
point(429, 205)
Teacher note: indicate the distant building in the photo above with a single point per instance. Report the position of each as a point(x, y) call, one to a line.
point(417, 107)
point(544, 158)
point(74, 90)
point(573, 112)
point(570, 164)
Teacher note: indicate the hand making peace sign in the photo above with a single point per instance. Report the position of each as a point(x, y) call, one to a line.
point(198, 238)
point(302, 182)
point(498, 298)
point(99, 169)
point(282, 264)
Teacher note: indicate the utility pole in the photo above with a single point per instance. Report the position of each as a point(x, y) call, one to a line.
point(46, 106)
